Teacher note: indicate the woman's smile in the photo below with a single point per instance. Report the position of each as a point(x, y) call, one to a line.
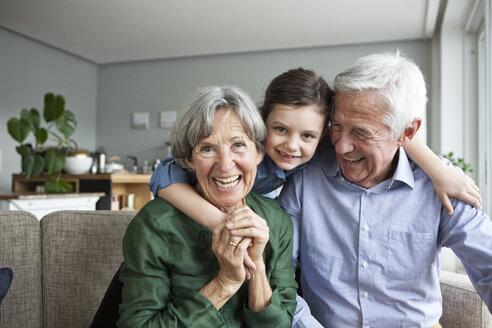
point(227, 183)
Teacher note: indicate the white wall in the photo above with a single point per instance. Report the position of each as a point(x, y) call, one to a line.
point(154, 86)
point(28, 70)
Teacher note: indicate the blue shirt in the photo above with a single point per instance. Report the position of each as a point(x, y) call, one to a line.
point(369, 257)
point(269, 176)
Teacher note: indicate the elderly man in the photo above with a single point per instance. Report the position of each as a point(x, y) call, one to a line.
point(368, 224)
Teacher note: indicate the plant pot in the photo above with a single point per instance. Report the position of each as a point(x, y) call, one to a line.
point(79, 164)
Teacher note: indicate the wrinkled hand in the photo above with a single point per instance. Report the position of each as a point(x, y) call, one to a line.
point(246, 223)
point(232, 271)
point(454, 183)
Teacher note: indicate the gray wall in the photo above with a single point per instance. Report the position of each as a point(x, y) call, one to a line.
point(28, 70)
point(154, 86)
point(103, 97)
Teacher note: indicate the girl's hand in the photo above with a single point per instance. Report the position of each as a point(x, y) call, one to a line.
point(246, 223)
point(452, 182)
point(230, 257)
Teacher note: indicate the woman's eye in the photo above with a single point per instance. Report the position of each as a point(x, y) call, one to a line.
point(307, 136)
point(205, 149)
point(239, 146)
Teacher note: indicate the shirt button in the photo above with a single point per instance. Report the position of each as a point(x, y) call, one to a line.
point(366, 294)
point(368, 192)
point(364, 264)
point(366, 227)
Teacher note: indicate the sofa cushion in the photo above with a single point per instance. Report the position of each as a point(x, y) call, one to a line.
point(20, 250)
point(82, 250)
point(462, 306)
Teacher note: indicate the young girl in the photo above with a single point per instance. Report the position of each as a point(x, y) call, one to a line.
point(295, 110)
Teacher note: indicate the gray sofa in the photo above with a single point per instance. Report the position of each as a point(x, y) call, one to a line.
point(64, 263)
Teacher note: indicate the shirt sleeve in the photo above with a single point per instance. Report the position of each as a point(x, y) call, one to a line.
point(283, 302)
point(167, 173)
point(146, 295)
point(468, 232)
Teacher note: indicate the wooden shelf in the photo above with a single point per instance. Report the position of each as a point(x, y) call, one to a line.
point(119, 184)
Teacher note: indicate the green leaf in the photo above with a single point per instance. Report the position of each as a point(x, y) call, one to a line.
point(53, 107)
point(41, 136)
point(66, 123)
point(32, 165)
point(55, 160)
point(23, 150)
point(33, 117)
point(18, 128)
point(59, 185)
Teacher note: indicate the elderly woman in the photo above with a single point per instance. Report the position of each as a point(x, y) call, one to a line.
point(177, 273)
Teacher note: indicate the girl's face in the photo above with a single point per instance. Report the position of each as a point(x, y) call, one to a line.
point(293, 134)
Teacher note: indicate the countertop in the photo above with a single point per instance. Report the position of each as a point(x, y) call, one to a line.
point(35, 195)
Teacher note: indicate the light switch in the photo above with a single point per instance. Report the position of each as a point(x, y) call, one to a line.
point(168, 118)
point(140, 121)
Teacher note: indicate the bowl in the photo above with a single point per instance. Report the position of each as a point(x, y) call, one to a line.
point(77, 164)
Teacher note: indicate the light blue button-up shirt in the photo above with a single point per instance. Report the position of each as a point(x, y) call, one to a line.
point(369, 257)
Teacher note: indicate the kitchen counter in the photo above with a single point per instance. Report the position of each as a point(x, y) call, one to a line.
point(119, 185)
point(41, 204)
point(6, 195)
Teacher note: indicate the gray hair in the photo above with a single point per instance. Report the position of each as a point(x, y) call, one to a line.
point(396, 78)
point(196, 120)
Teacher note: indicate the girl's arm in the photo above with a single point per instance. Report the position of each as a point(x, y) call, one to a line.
point(185, 198)
point(448, 181)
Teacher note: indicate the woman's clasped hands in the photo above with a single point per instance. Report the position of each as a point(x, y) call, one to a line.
point(238, 245)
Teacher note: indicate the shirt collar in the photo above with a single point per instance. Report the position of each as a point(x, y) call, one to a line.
point(403, 172)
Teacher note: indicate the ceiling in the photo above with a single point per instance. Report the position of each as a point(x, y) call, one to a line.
point(110, 31)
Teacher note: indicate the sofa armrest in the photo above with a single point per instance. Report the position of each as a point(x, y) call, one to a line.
point(461, 305)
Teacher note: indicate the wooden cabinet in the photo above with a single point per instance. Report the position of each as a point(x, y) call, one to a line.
point(119, 184)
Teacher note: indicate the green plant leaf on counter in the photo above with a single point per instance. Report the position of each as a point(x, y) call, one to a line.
point(33, 117)
point(23, 150)
point(18, 128)
point(53, 107)
point(32, 165)
point(41, 136)
point(53, 184)
point(54, 160)
point(66, 123)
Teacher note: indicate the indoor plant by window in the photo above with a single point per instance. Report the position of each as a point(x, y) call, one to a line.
point(38, 158)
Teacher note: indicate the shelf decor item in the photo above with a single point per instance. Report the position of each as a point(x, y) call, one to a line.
point(39, 158)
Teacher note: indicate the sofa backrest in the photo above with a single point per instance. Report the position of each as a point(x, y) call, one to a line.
point(81, 251)
point(20, 249)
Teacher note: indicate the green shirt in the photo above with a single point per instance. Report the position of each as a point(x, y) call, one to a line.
point(168, 259)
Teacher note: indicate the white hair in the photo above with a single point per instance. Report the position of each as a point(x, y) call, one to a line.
point(396, 78)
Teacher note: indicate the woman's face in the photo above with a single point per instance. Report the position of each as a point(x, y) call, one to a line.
point(225, 161)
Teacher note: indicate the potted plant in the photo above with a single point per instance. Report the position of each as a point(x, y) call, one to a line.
point(38, 158)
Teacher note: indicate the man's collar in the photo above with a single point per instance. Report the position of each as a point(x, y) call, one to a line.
point(403, 171)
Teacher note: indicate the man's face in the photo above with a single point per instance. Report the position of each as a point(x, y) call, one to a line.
point(362, 141)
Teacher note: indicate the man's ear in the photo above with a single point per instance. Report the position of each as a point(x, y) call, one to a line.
point(410, 132)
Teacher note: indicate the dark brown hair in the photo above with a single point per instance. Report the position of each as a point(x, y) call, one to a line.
point(297, 87)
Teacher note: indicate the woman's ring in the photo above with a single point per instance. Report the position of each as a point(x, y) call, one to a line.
point(233, 244)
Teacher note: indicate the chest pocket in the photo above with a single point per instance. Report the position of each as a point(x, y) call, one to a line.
point(409, 254)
